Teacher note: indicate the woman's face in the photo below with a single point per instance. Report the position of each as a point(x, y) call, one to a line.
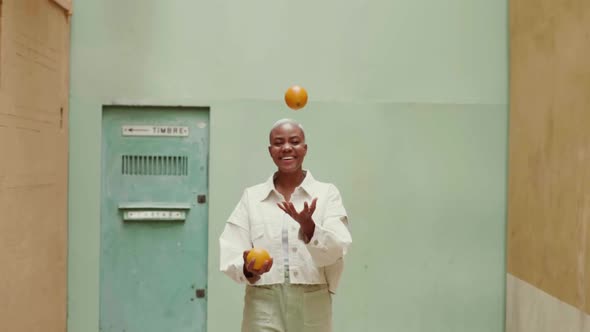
point(287, 147)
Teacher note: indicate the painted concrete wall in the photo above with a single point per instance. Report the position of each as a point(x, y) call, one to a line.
point(407, 115)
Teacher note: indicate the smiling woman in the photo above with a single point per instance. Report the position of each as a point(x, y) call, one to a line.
point(288, 149)
point(304, 226)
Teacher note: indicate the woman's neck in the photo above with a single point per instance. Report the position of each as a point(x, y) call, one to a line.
point(285, 183)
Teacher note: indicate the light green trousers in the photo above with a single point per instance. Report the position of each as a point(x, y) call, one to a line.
point(287, 308)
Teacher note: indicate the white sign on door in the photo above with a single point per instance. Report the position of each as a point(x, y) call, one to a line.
point(155, 215)
point(170, 131)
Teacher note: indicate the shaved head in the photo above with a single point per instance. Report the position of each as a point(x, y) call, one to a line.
point(282, 122)
point(287, 145)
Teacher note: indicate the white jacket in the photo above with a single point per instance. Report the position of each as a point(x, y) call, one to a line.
point(257, 221)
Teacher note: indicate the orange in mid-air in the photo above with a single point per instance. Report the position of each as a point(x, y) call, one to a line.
point(296, 97)
point(260, 255)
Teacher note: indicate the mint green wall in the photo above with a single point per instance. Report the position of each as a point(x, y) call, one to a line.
point(407, 115)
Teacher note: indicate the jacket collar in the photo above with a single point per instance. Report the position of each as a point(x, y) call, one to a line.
point(307, 185)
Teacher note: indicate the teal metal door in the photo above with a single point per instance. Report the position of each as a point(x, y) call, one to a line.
point(154, 214)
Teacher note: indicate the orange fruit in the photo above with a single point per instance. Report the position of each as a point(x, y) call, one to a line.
point(296, 97)
point(260, 255)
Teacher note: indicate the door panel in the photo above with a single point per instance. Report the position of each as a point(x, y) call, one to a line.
point(153, 224)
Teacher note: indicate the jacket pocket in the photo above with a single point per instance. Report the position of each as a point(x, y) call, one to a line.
point(257, 235)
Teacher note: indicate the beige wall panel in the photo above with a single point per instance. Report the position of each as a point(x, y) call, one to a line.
point(34, 57)
point(549, 180)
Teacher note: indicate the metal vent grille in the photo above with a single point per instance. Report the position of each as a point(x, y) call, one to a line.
point(155, 165)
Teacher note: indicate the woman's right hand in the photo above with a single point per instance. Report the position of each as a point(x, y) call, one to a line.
point(250, 272)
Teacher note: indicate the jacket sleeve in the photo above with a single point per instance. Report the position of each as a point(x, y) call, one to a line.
point(234, 239)
point(331, 238)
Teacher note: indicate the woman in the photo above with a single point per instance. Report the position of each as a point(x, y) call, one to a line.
point(302, 223)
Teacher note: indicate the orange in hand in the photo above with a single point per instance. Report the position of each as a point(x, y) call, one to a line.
point(260, 255)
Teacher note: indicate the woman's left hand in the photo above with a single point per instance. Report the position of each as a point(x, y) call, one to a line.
point(304, 217)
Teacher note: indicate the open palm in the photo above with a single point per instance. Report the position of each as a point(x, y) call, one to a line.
point(304, 216)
